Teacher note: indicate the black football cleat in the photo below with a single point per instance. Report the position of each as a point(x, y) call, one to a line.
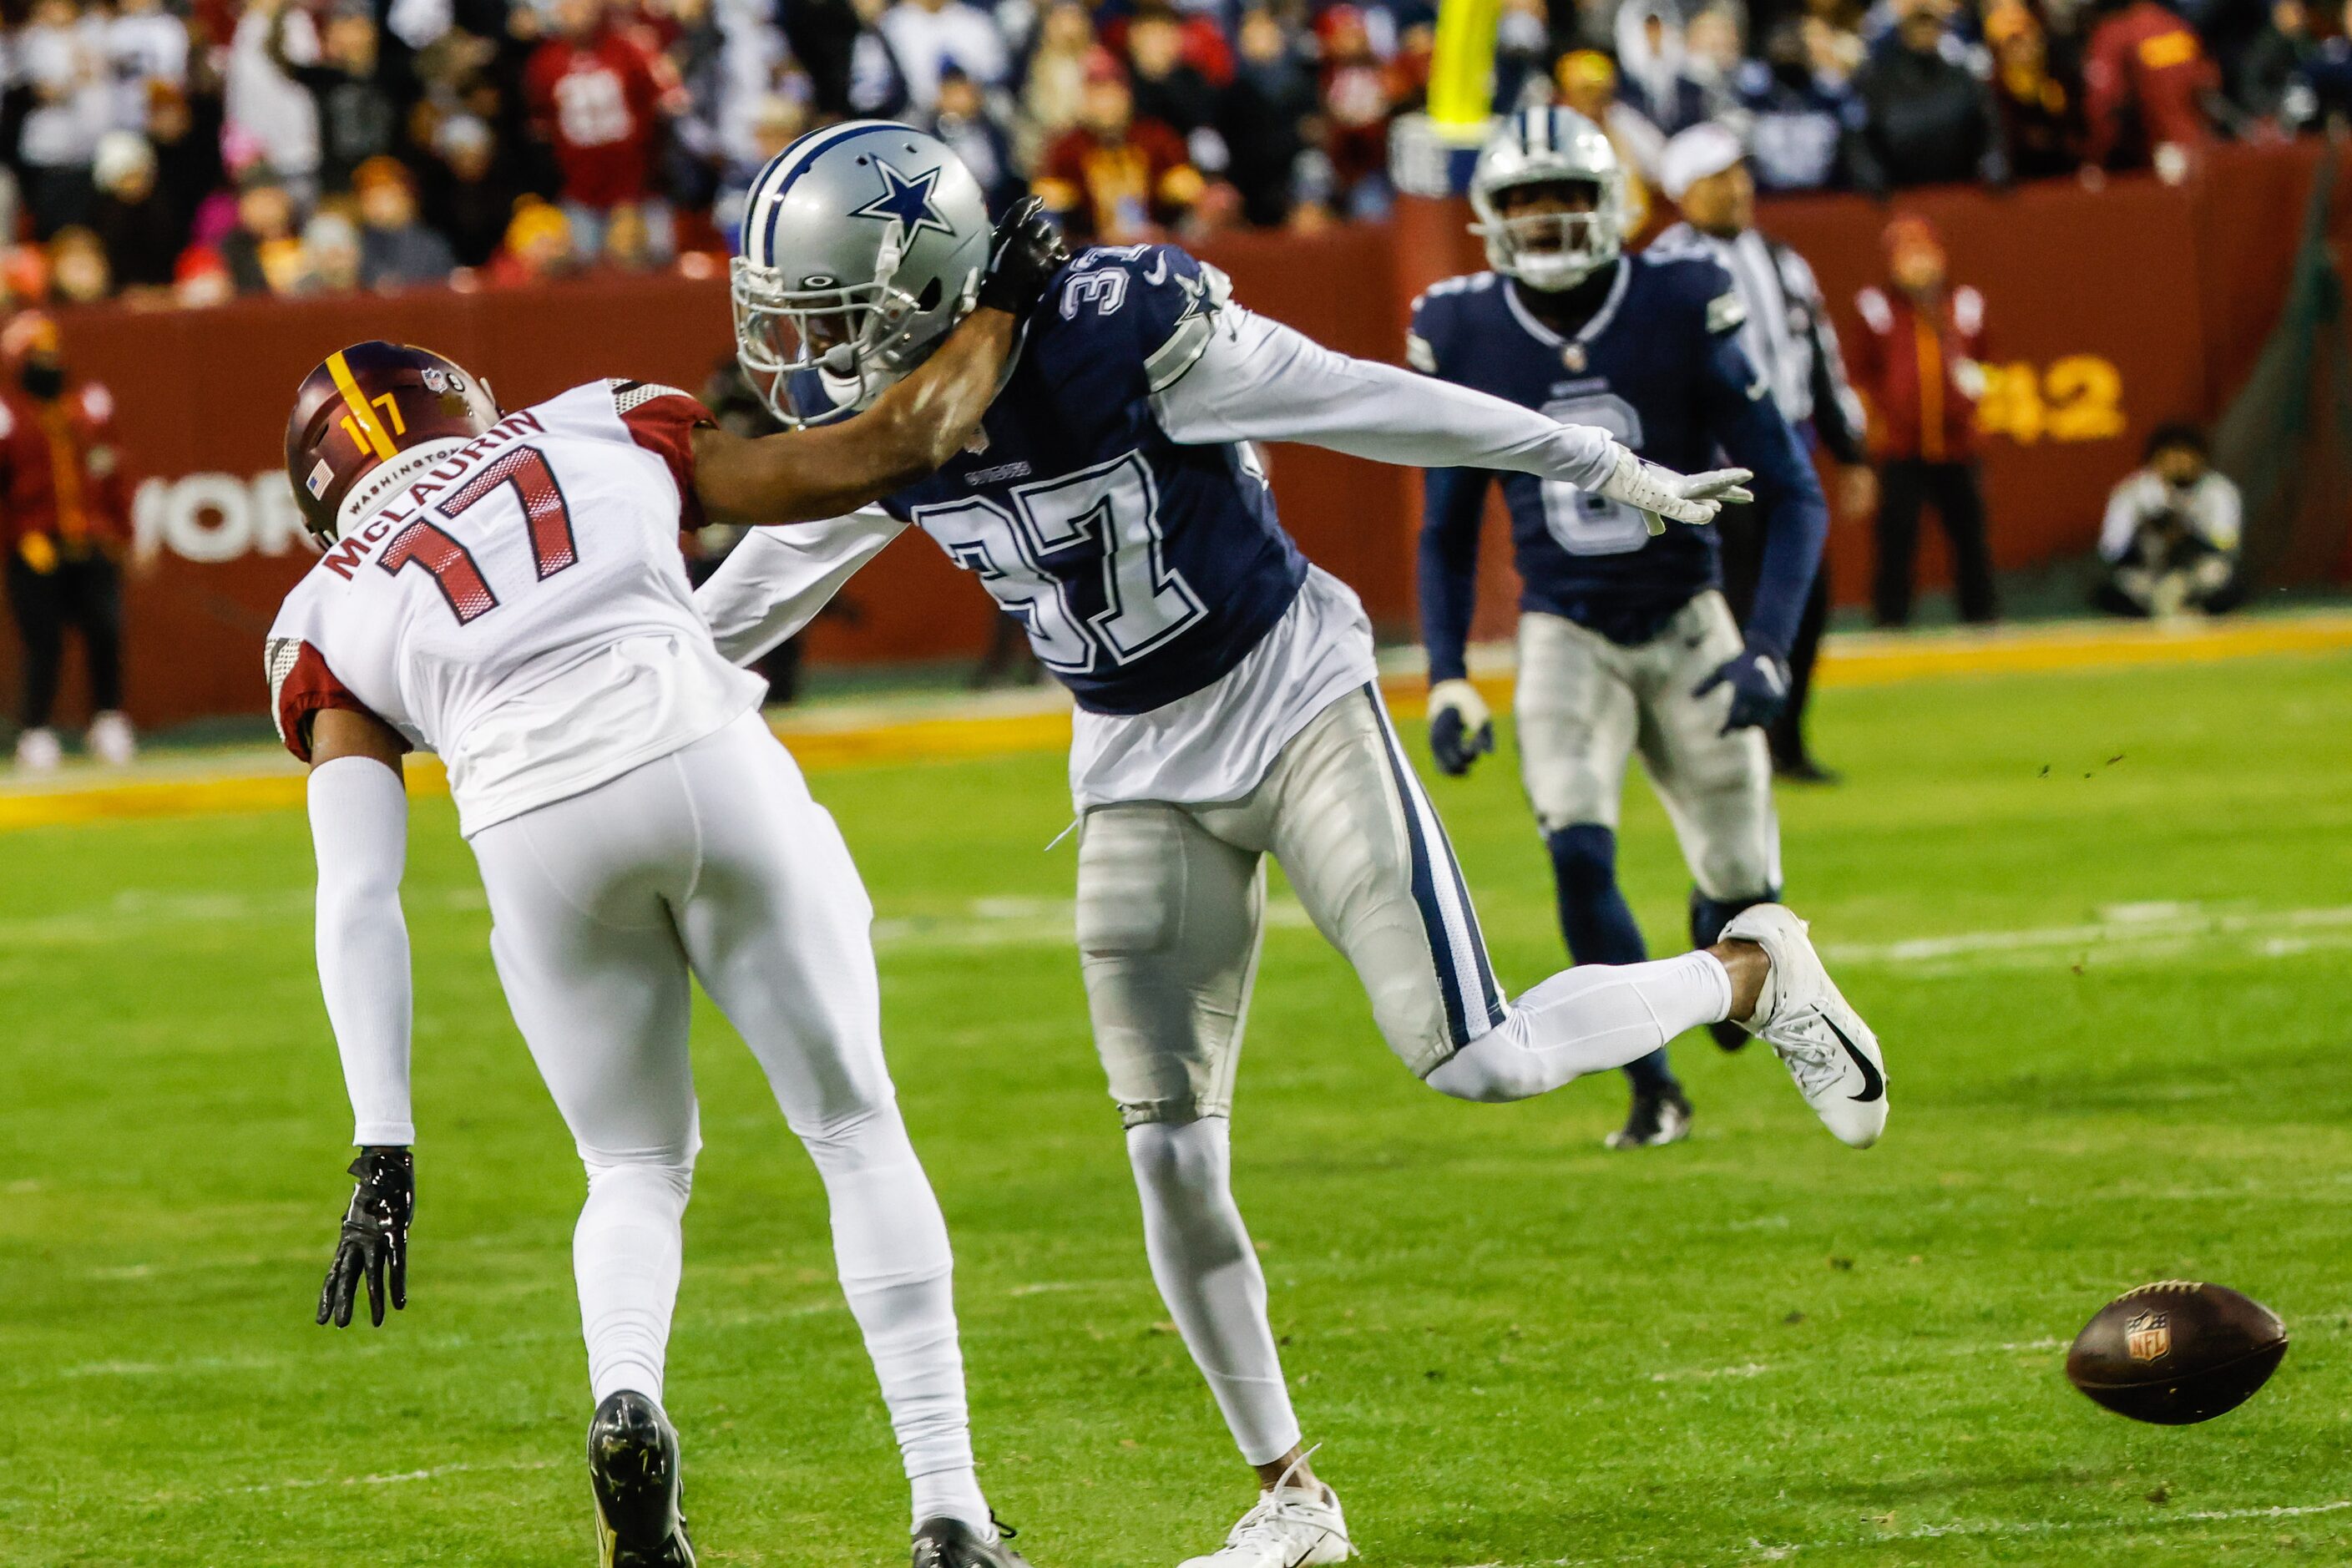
point(952, 1543)
point(633, 1469)
point(1655, 1119)
point(1728, 1035)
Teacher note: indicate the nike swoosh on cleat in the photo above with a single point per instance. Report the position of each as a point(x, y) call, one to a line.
point(1874, 1087)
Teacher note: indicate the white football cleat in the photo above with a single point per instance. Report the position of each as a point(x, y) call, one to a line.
point(112, 741)
point(38, 751)
point(1822, 1040)
point(1289, 1528)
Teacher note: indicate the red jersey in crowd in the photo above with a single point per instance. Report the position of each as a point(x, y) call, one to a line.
point(1118, 190)
point(2142, 77)
point(1917, 367)
point(598, 102)
point(62, 494)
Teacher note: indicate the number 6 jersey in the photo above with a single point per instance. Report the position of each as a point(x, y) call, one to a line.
point(1658, 366)
point(516, 603)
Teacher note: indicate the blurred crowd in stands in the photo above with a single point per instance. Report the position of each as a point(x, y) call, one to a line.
point(189, 151)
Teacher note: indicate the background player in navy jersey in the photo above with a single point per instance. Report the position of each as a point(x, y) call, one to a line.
point(1625, 644)
point(1227, 704)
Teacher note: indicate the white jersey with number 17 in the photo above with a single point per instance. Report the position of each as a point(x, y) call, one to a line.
point(518, 603)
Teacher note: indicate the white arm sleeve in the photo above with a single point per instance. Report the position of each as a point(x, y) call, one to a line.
point(1259, 381)
point(358, 827)
point(778, 578)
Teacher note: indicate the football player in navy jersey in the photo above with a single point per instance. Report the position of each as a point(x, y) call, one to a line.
point(1625, 644)
point(1227, 702)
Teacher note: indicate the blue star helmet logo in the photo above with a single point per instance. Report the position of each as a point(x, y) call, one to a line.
point(906, 202)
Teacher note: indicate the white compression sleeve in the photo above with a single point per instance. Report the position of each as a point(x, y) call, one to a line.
point(890, 1245)
point(1583, 1020)
point(1208, 1273)
point(359, 830)
point(778, 578)
point(1260, 381)
point(627, 1253)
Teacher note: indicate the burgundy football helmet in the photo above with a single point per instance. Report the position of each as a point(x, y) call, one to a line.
point(366, 403)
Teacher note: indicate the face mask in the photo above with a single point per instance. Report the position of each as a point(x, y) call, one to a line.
point(43, 382)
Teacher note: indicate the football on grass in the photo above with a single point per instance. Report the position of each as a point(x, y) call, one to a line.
point(2177, 1352)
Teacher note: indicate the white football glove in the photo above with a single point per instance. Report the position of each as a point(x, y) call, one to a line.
point(1660, 494)
point(1461, 730)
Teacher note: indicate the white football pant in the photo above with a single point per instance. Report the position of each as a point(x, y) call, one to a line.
point(1585, 705)
point(715, 862)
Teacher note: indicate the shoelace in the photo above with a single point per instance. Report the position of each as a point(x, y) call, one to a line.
point(1815, 1064)
point(1270, 1524)
point(1264, 1525)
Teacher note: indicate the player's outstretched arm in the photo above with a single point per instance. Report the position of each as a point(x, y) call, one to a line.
point(359, 829)
point(1260, 381)
point(918, 425)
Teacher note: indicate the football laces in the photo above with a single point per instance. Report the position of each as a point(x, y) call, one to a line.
point(1814, 1062)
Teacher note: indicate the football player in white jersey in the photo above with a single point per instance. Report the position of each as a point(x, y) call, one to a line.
point(1227, 706)
point(506, 589)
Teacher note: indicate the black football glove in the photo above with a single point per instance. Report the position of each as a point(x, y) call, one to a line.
point(1460, 728)
point(1022, 257)
point(374, 1243)
point(1759, 679)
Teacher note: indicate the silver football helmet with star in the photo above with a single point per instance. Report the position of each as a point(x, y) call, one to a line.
point(863, 245)
point(1550, 251)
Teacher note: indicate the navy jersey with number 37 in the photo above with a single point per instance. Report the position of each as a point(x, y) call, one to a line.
point(1660, 368)
point(1143, 570)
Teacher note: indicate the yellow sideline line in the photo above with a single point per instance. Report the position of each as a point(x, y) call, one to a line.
point(823, 741)
point(1886, 658)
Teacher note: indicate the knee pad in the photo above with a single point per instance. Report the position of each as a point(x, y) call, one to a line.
point(1584, 859)
point(668, 1175)
point(856, 1139)
point(1710, 916)
point(1180, 1156)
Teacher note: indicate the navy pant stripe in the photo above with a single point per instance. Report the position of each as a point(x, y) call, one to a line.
point(1424, 891)
point(1456, 945)
point(1490, 994)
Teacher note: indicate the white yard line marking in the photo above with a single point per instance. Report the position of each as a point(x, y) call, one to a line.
point(395, 1478)
point(2125, 931)
point(2137, 931)
point(389, 1478)
point(1708, 1374)
point(138, 908)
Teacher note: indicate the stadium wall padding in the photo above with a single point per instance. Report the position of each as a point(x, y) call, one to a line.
point(2171, 289)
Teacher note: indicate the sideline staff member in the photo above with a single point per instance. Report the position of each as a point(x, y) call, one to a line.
point(63, 522)
point(1788, 338)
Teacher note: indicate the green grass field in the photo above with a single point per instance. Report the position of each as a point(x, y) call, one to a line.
point(2101, 922)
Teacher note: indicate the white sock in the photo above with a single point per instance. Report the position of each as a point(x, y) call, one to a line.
point(625, 1254)
point(890, 1246)
point(1587, 1019)
point(1209, 1276)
